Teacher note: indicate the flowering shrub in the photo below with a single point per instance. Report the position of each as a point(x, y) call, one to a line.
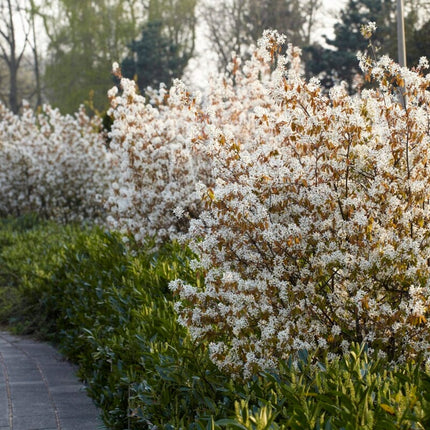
point(314, 233)
point(155, 194)
point(54, 165)
point(164, 148)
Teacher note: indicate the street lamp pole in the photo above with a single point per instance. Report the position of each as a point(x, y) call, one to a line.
point(401, 44)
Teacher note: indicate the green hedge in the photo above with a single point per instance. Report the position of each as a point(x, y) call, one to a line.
point(106, 303)
point(109, 308)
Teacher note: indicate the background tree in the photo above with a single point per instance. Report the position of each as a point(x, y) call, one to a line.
point(288, 17)
point(338, 61)
point(226, 28)
point(33, 13)
point(15, 30)
point(233, 25)
point(85, 37)
point(417, 31)
point(165, 45)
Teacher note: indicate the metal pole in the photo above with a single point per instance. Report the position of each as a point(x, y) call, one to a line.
point(401, 44)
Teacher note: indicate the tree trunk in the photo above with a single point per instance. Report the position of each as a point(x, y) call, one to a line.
point(13, 64)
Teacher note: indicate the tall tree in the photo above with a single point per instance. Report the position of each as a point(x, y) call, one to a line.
point(417, 30)
point(226, 28)
point(15, 29)
point(33, 12)
point(233, 25)
point(284, 16)
point(85, 37)
point(165, 45)
point(338, 61)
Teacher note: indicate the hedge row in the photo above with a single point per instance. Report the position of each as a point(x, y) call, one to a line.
point(106, 303)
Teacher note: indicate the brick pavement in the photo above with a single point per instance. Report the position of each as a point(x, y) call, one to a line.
point(39, 389)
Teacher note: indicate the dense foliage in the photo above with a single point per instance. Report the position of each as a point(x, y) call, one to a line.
point(308, 212)
point(109, 308)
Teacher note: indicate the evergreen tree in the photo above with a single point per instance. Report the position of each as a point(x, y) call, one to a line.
point(165, 45)
point(154, 58)
point(339, 61)
point(419, 45)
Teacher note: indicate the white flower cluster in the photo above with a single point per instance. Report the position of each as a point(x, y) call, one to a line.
point(164, 143)
point(368, 30)
point(309, 213)
point(155, 195)
point(53, 165)
point(314, 232)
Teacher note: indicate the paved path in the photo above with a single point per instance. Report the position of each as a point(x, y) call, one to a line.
point(39, 389)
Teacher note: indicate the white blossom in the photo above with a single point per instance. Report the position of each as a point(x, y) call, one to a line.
point(308, 211)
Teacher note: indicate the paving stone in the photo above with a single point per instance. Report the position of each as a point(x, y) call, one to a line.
point(7, 336)
point(71, 388)
point(13, 356)
point(36, 350)
point(59, 374)
point(4, 406)
point(43, 389)
point(24, 376)
point(34, 422)
point(32, 404)
point(82, 423)
point(4, 420)
point(30, 387)
point(69, 403)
